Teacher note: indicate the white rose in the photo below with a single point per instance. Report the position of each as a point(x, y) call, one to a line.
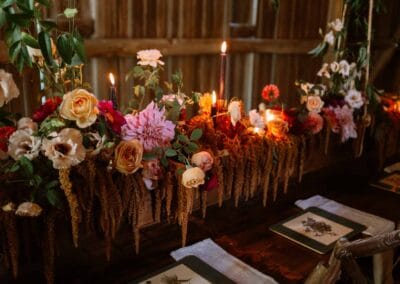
point(8, 88)
point(96, 143)
point(306, 87)
point(27, 123)
point(344, 68)
point(193, 177)
point(256, 119)
point(354, 98)
point(23, 143)
point(149, 57)
point(314, 104)
point(330, 38)
point(235, 112)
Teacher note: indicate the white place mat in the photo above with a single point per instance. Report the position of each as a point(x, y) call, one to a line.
point(375, 224)
point(219, 259)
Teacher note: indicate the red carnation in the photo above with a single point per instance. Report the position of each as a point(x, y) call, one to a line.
point(114, 118)
point(5, 133)
point(270, 93)
point(46, 109)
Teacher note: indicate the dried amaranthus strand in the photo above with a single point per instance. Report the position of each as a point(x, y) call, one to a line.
point(220, 175)
point(157, 209)
point(302, 157)
point(254, 161)
point(268, 170)
point(204, 203)
point(327, 139)
point(169, 193)
point(239, 174)
point(136, 236)
point(229, 170)
point(66, 186)
point(49, 247)
point(281, 160)
point(10, 226)
point(115, 204)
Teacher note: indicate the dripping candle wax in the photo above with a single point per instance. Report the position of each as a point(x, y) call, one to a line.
point(113, 91)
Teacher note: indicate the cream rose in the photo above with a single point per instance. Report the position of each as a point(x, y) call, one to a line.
point(64, 149)
point(128, 156)
point(203, 160)
point(81, 106)
point(8, 88)
point(149, 57)
point(314, 104)
point(23, 143)
point(193, 177)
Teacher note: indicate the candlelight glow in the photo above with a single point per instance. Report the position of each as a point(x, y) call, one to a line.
point(112, 79)
point(256, 130)
point(214, 98)
point(223, 47)
point(269, 116)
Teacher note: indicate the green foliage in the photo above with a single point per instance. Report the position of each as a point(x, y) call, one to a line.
point(51, 124)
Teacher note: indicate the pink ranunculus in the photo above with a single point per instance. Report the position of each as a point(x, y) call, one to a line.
point(114, 118)
point(344, 115)
point(149, 127)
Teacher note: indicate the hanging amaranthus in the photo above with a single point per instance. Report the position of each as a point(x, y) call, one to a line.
point(49, 247)
point(219, 171)
point(12, 244)
point(268, 171)
point(66, 186)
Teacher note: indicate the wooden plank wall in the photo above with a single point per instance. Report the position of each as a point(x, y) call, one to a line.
point(149, 22)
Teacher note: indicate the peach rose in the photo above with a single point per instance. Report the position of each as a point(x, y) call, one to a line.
point(128, 156)
point(203, 160)
point(81, 106)
point(314, 104)
point(193, 177)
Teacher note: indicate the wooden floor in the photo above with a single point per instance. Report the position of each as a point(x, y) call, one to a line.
point(243, 232)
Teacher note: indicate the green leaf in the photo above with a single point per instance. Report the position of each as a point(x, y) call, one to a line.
point(20, 19)
point(45, 47)
point(27, 166)
point(183, 138)
point(177, 145)
point(149, 156)
point(164, 162)
point(8, 3)
point(179, 171)
point(3, 18)
point(36, 181)
point(65, 47)
point(170, 152)
point(193, 147)
point(79, 48)
point(44, 2)
point(70, 12)
point(48, 25)
point(53, 197)
point(14, 50)
point(25, 55)
point(14, 168)
point(29, 40)
point(51, 184)
point(196, 134)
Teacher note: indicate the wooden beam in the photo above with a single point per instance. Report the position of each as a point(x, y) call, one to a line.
point(129, 47)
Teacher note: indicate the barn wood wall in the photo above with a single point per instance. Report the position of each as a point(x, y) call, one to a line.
point(265, 46)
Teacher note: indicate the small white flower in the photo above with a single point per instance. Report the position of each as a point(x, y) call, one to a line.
point(65, 149)
point(324, 71)
point(27, 123)
point(9, 207)
point(344, 68)
point(306, 87)
point(203, 160)
point(97, 142)
point(262, 107)
point(336, 25)
point(149, 57)
point(8, 88)
point(334, 67)
point(330, 38)
point(354, 98)
point(23, 143)
point(235, 112)
point(256, 119)
point(28, 209)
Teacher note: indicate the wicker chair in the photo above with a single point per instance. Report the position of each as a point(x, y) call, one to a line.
point(344, 255)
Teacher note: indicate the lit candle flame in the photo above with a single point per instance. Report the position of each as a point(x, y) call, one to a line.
point(112, 79)
point(269, 115)
point(223, 47)
point(256, 130)
point(214, 98)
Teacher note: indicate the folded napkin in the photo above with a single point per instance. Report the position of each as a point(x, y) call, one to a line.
point(219, 259)
point(375, 224)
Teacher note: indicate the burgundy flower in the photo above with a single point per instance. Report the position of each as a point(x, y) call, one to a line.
point(46, 109)
point(211, 184)
point(313, 123)
point(114, 118)
point(5, 133)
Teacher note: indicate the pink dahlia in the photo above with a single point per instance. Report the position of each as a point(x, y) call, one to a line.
point(314, 123)
point(114, 118)
point(149, 127)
